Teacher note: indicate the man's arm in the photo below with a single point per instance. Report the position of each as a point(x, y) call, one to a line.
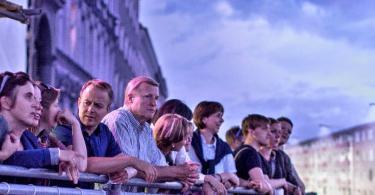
point(184, 172)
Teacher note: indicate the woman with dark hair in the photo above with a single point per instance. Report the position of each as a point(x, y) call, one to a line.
point(50, 117)
point(20, 109)
point(212, 153)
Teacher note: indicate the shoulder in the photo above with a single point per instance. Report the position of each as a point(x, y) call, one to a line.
point(246, 151)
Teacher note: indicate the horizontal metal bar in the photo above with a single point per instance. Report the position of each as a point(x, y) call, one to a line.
point(17, 171)
point(6, 188)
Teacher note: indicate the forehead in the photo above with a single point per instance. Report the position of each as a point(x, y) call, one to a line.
point(147, 88)
point(276, 125)
point(95, 94)
point(27, 88)
point(37, 91)
point(285, 125)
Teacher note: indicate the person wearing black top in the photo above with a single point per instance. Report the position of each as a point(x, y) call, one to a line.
point(286, 131)
point(272, 161)
point(255, 129)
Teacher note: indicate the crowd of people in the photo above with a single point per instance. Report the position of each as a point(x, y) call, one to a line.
point(169, 143)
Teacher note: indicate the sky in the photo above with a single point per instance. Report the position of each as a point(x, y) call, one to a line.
point(13, 43)
point(312, 61)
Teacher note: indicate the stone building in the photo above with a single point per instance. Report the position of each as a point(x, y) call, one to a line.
point(340, 163)
point(73, 41)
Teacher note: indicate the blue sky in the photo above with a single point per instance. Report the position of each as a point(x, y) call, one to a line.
point(309, 60)
point(13, 43)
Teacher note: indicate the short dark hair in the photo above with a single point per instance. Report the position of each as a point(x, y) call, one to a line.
point(9, 81)
point(272, 120)
point(101, 85)
point(174, 106)
point(285, 119)
point(252, 121)
point(232, 134)
point(205, 109)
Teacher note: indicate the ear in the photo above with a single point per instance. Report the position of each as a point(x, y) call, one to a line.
point(5, 103)
point(79, 100)
point(204, 120)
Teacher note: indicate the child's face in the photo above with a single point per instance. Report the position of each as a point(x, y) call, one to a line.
point(214, 121)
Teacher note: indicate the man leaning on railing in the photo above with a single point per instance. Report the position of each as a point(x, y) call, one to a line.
point(104, 154)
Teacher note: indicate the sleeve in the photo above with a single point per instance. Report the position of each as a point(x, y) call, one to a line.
point(229, 165)
point(245, 161)
point(36, 158)
point(288, 169)
point(113, 147)
point(194, 158)
point(64, 134)
point(181, 157)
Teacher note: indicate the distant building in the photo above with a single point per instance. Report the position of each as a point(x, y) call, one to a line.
point(341, 163)
point(73, 41)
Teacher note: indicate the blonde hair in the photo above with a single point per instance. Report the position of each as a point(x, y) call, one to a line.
point(171, 128)
point(135, 83)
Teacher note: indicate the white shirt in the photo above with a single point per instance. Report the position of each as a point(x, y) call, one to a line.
point(226, 164)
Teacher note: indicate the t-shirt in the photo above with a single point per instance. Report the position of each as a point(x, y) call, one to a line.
point(246, 158)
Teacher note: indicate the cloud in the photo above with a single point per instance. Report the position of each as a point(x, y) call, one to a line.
point(311, 9)
point(13, 44)
point(253, 65)
point(224, 8)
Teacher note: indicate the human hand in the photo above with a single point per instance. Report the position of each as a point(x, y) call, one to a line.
point(119, 177)
point(71, 171)
point(188, 172)
point(229, 180)
point(11, 144)
point(215, 184)
point(66, 117)
point(149, 170)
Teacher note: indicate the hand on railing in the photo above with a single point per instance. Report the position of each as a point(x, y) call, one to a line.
point(147, 170)
point(214, 186)
point(229, 180)
point(188, 174)
point(70, 170)
point(119, 177)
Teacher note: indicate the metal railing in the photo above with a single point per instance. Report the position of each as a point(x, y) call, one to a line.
point(16, 171)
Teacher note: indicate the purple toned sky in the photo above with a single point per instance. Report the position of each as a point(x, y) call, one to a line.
point(312, 61)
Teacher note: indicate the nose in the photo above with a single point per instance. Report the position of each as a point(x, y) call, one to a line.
point(153, 101)
point(90, 108)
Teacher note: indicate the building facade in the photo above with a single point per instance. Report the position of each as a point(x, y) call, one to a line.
point(73, 41)
point(341, 163)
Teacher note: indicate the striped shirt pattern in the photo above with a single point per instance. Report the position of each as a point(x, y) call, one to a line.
point(134, 139)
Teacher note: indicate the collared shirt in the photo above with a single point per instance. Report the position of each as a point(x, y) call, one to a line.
point(226, 164)
point(135, 139)
point(99, 144)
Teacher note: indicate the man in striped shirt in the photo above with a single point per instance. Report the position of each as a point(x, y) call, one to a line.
point(131, 129)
